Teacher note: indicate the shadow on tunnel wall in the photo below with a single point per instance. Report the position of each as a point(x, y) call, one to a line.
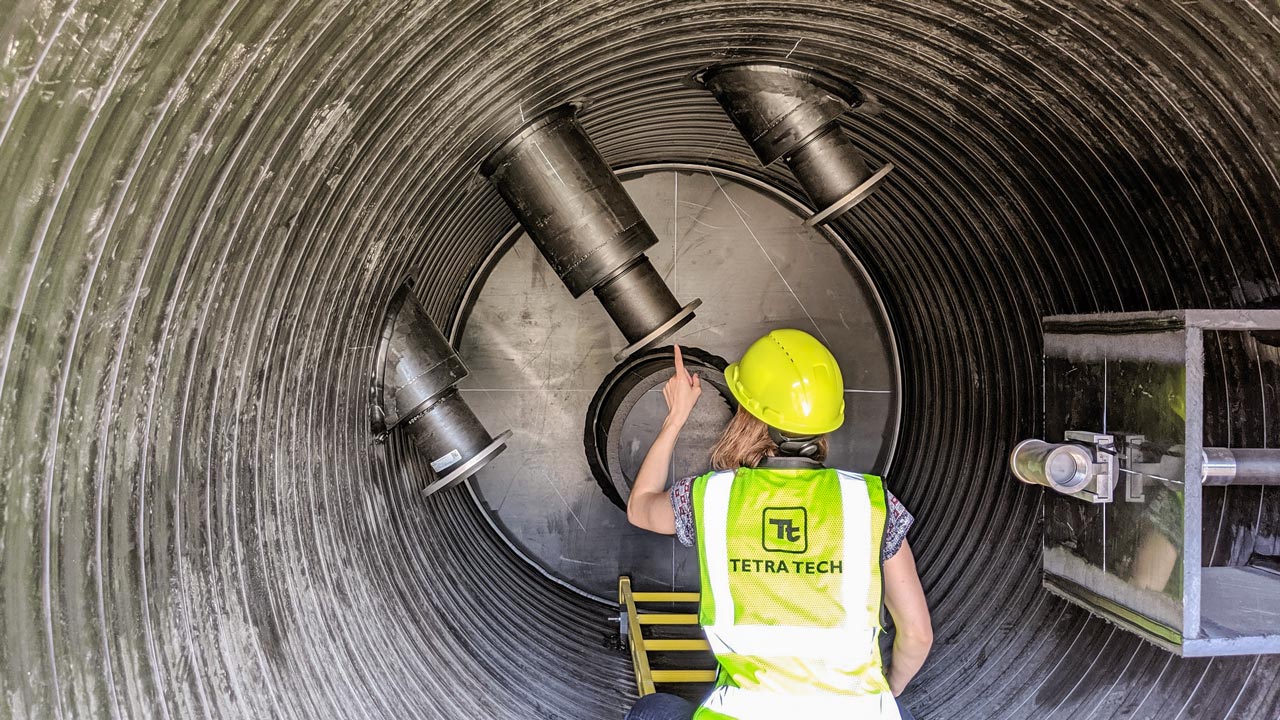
point(206, 206)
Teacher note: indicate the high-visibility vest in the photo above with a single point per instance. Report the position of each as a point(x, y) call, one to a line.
point(792, 592)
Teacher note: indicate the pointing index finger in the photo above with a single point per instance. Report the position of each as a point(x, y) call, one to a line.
point(680, 364)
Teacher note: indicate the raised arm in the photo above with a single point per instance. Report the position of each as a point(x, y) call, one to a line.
point(904, 597)
point(649, 506)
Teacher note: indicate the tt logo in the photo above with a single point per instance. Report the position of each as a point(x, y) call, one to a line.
point(785, 529)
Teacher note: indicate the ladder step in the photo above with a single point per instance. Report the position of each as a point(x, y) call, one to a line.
point(684, 676)
point(675, 645)
point(671, 619)
point(689, 597)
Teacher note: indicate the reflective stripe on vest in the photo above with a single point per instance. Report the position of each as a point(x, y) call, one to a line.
point(791, 592)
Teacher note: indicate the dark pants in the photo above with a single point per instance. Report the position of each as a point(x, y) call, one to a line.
point(661, 706)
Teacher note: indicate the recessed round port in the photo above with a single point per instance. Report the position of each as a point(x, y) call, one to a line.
point(628, 410)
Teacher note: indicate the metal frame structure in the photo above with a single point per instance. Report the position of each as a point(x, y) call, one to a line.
point(1219, 608)
point(632, 623)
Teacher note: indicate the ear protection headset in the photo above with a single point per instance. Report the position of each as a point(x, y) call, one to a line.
point(805, 447)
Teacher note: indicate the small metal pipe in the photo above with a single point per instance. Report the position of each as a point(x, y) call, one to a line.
point(453, 440)
point(833, 174)
point(1241, 466)
point(586, 226)
point(826, 165)
point(1065, 467)
point(1219, 464)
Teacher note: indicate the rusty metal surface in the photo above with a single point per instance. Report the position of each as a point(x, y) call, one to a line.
point(207, 205)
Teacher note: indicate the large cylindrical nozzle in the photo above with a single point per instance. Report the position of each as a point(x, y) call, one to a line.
point(413, 387)
point(584, 223)
point(788, 111)
point(1065, 467)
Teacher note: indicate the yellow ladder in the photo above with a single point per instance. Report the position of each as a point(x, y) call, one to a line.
point(633, 624)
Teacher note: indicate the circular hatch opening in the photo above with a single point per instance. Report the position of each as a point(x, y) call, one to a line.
point(628, 410)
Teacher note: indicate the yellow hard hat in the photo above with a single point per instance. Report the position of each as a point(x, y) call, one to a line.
point(789, 381)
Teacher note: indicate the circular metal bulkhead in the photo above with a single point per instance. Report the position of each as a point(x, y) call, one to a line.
point(537, 359)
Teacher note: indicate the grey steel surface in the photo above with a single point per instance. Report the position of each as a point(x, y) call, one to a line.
point(1240, 602)
point(537, 356)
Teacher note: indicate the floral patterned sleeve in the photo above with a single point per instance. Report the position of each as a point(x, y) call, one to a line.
point(896, 525)
point(682, 505)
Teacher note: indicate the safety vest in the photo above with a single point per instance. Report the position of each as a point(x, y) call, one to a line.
point(791, 593)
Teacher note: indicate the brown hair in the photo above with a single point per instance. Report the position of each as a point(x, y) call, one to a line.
point(745, 442)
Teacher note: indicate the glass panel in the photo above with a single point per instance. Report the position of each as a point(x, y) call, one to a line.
point(1126, 554)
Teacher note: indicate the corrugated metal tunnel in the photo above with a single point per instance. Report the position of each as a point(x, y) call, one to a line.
point(208, 205)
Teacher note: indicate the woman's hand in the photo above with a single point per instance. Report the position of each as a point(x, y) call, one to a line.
point(649, 505)
point(681, 392)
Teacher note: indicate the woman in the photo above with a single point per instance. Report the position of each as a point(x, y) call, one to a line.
point(797, 559)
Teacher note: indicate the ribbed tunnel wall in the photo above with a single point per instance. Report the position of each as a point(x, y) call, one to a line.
point(205, 206)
